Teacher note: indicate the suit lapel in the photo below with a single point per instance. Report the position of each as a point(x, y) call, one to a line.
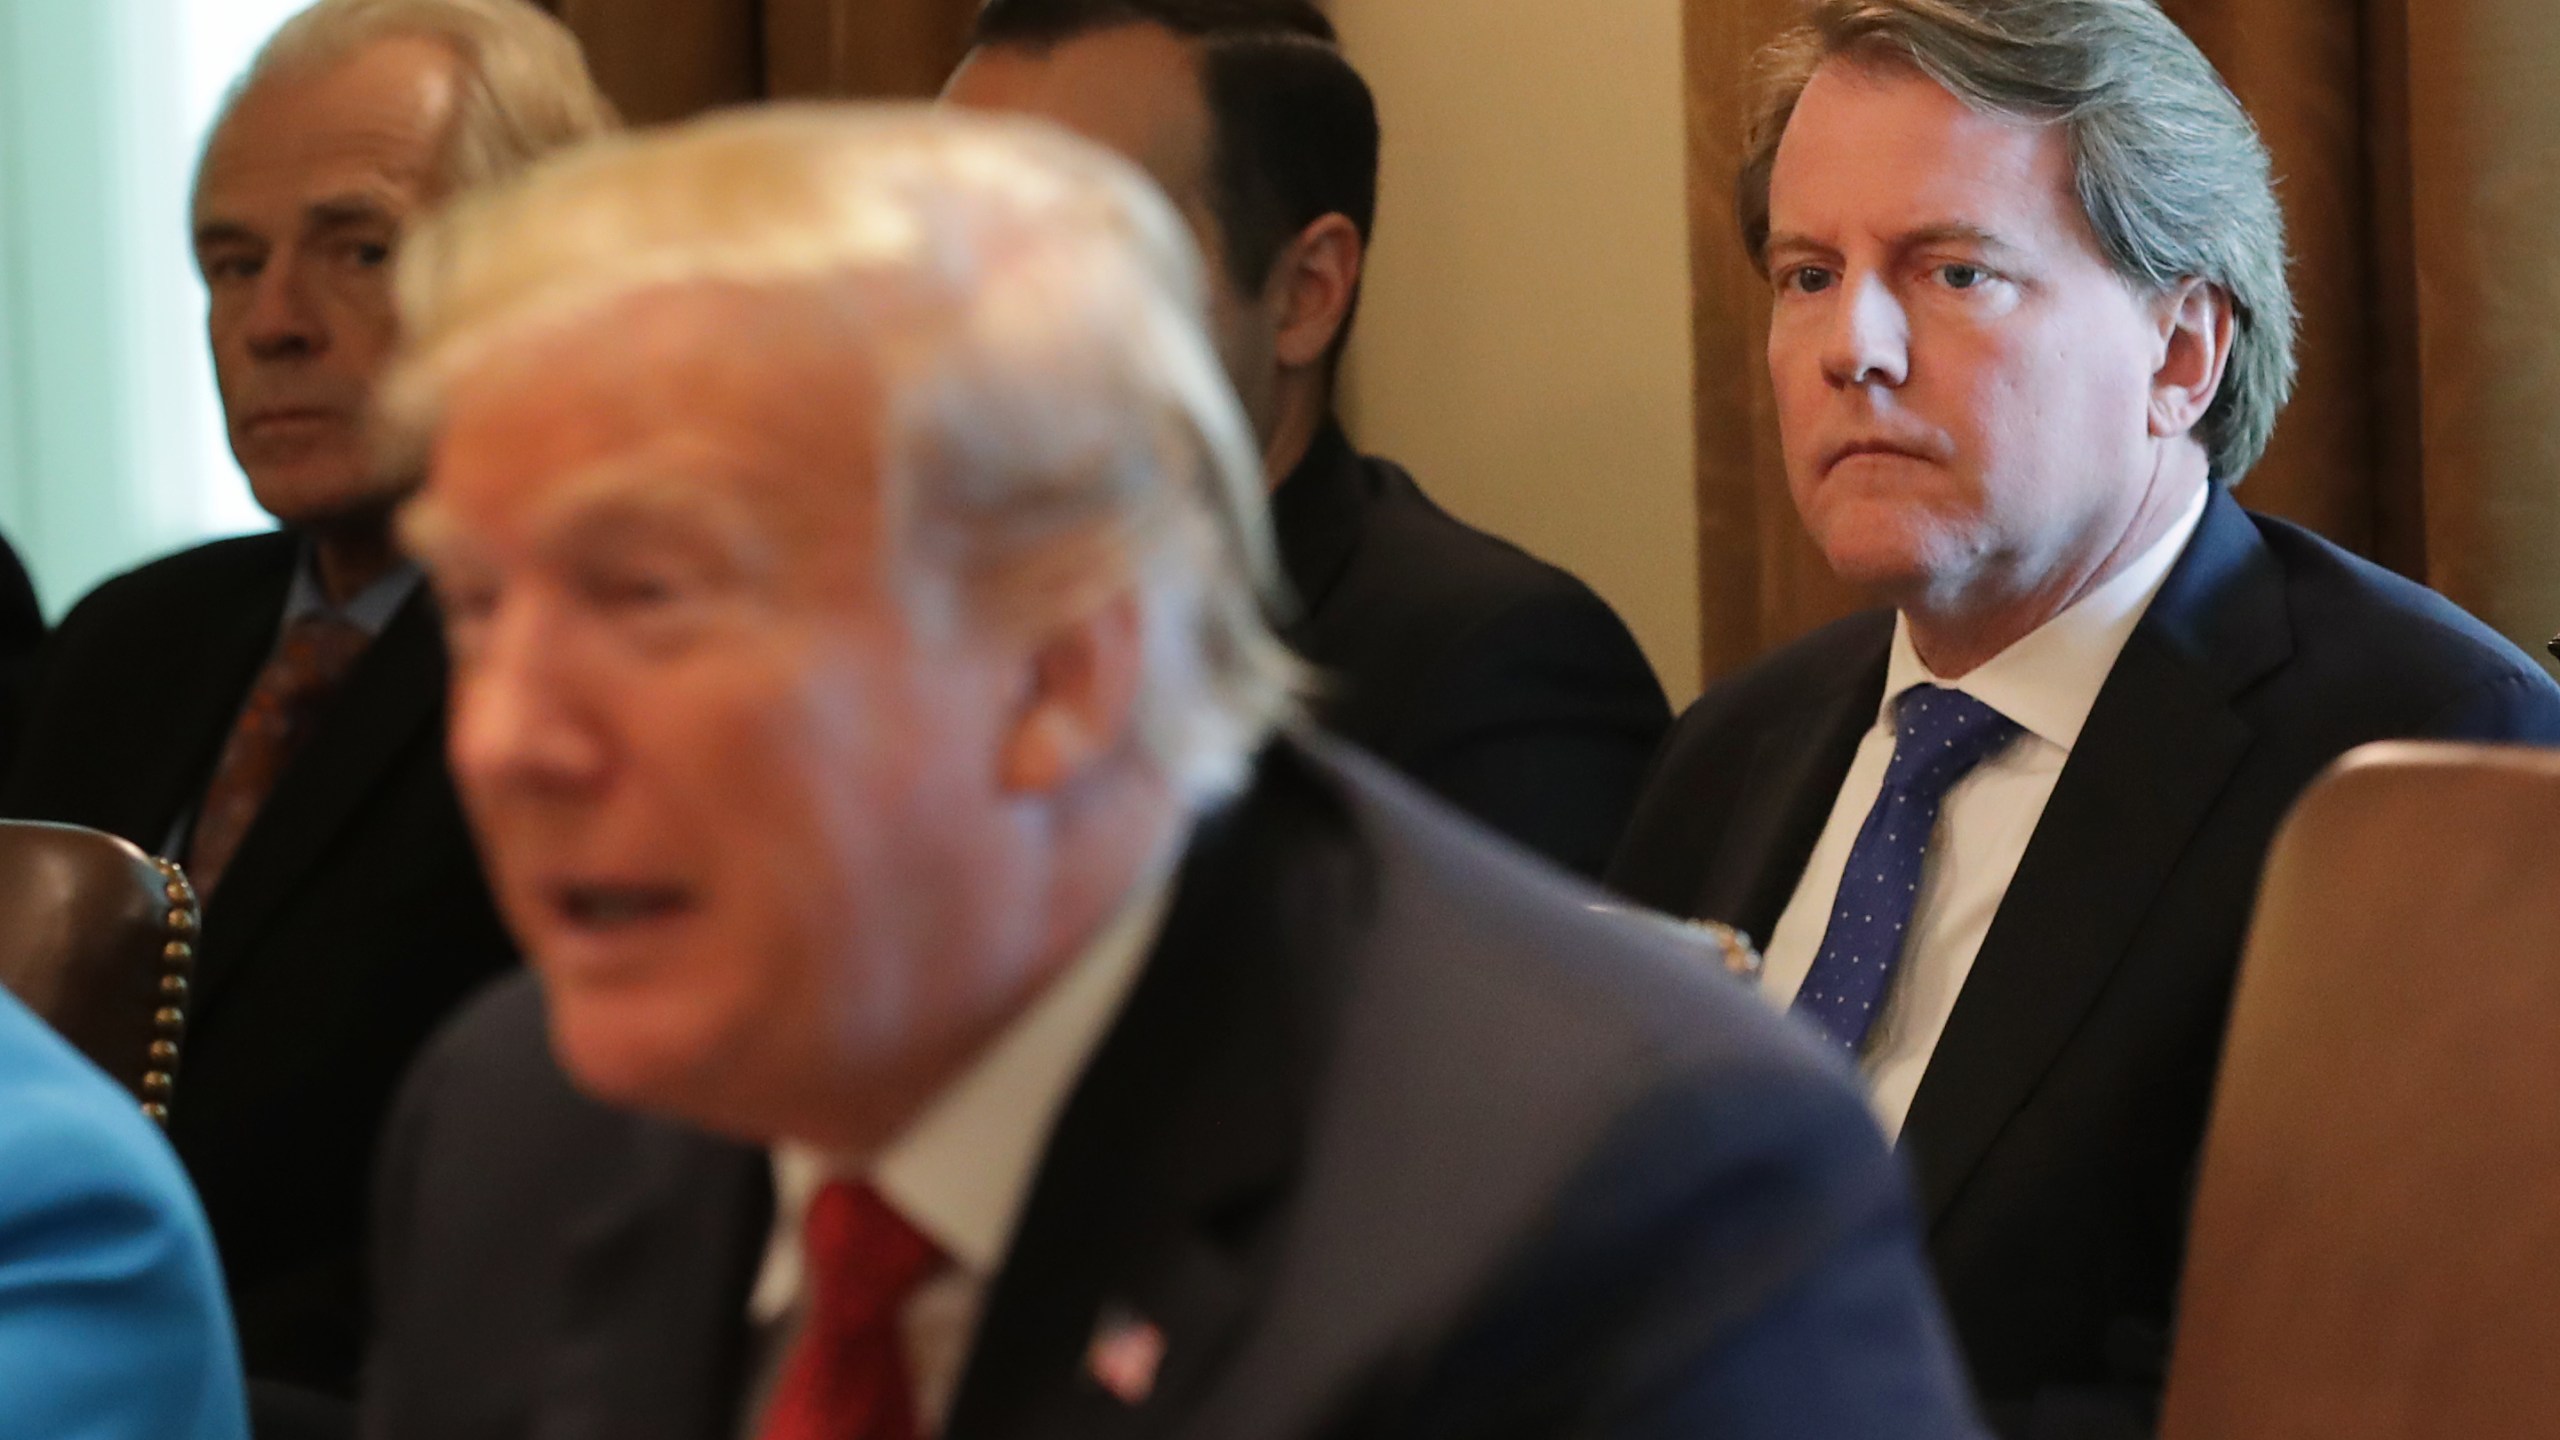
point(1786, 796)
point(393, 695)
point(2159, 746)
point(222, 645)
point(651, 1342)
point(1155, 1200)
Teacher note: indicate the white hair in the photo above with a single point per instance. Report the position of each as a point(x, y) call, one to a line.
point(523, 89)
point(1057, 428)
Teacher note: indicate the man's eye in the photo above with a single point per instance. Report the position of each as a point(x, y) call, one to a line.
point(635, 591)
point(369, 254)
point(1806, 280)
point(1962, 277)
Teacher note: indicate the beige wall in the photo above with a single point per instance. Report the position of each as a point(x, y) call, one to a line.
point(1524, 346)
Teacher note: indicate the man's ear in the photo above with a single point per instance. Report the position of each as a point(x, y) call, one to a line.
point(1312, 289)
point(1078, 698)
point(2196, 328)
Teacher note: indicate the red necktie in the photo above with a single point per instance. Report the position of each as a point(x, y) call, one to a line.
point(315, 654)
point(847, 1376)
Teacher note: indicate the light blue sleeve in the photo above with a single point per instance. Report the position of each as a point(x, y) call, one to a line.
point(112, 1319)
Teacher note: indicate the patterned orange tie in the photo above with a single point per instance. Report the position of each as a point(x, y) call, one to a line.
point(847, 1376)
point(284, 703)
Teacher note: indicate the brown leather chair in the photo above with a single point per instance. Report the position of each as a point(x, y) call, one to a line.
point(2376, 1246)
point(98, 938)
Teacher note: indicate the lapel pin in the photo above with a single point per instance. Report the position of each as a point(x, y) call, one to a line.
point(1124, 1355)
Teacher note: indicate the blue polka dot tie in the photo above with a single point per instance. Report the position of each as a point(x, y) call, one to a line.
point(1939, 736)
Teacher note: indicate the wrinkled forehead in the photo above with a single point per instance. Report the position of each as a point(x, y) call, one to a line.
point(753, 418)
point(374, 121)
point(1876, 144)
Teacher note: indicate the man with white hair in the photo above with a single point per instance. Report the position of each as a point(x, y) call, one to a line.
point(962, 1007)
point(266, 709)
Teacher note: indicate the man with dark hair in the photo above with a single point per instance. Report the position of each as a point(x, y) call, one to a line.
point(2030, 327)
point(1498, 681)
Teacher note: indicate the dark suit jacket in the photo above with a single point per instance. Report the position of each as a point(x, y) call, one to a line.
point(1394, 1137)
point(1497, 680)
point(21, 631)
point(351, 920)
point(2054, 1133)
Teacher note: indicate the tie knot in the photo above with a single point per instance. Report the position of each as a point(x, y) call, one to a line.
point(1939, 736)
point(315, 653)
point(864, 1259)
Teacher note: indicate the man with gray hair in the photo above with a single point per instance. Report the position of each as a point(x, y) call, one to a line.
point(266, 709)
point(2030, 328)
point(966, 1003)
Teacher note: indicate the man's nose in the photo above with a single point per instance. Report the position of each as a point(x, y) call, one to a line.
point(282, 321)
point(518, 723)
point(1870, 339)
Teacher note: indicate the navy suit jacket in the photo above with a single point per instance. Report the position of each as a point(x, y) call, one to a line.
point(2055, 1132)
point(1501, 683)
point(352, 919)
point(1394, 1137)
point(112, 1325)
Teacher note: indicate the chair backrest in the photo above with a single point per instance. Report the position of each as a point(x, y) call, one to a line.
point(99, 939)
point(2376, 1241)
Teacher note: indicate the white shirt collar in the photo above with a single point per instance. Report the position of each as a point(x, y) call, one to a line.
point(963, 1169)
point(2048, 681)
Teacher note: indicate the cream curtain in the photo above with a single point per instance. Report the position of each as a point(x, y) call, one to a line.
point(667, 59)
point(2418, 148)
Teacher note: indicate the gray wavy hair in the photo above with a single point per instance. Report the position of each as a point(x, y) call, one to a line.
point(1057, 426)
point(2170, 171)
point(524, 87)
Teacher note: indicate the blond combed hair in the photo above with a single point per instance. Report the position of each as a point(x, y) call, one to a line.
point(523, 87)
point(1030, 313)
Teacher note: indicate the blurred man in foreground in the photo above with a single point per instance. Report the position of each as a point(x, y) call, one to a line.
point(112, 1325)
point(849, 545)
point(1498, 681)
point(2031, 325)
point(266, 709)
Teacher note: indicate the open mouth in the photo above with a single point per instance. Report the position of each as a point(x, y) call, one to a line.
point(606, 907)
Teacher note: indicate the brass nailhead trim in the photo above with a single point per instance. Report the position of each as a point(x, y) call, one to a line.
point(178, 955)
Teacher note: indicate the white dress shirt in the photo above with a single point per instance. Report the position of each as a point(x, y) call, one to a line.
point(963, 1171)
point(2047, 683)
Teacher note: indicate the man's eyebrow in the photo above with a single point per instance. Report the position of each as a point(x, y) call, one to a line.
point(334, 212)
point(1788, 240)
point(337, 211)
point(610, 500)
point(1947, 232)
point(225, 232)
point(1954, 232)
